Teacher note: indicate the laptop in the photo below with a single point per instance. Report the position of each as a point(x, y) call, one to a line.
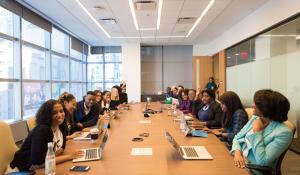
point(189, 152)
point(91, 154)
point(87, 135)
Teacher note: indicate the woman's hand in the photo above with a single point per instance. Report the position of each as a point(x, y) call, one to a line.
point(76, 154)
point(216, 132)
point(75, 134)
point(86, 129)
point(239, 160)
point(259, 124)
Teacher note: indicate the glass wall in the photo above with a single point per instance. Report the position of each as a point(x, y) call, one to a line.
point(270, 60)
point(104, 68)
point(38, 66)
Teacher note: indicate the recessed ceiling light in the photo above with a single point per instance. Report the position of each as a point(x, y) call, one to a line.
point(98, 7)
point(92, 18)
point(133, 14)
point(237, 54)
point(298, 37)
point(200, 17)
point(147, 37)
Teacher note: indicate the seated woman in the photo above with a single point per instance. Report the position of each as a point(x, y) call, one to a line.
point(104, 105)
point(265, 136)
point(210, 113)
point(197, 104)
point(68, 101)
point(185, 104)
point(115, 99)
point(98, 96)
point(192, 98)
point(33, 151)
point(123, 94)
point(235, 117)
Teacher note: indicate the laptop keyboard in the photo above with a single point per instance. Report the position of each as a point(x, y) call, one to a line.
point(91, 153)
point(190, 152)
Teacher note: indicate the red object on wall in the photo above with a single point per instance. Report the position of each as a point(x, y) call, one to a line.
point(244, 54)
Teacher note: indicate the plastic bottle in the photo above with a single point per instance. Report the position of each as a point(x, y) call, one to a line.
point(50, 164)
point(182, 123)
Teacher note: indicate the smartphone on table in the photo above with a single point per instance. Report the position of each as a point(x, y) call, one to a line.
point(80, 168)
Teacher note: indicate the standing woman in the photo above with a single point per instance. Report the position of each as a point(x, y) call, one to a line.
point(211, 85)
point(33, 151)
point(235, 116)
point(68, 101)
point(210, 113)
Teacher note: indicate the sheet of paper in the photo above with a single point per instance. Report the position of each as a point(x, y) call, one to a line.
point(145, 121)
point(141, 151)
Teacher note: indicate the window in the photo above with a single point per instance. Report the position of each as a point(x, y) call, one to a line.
point(60, 42)
point(34, 95)
point(76, 71)
point(6, 59)
point(33, 34)
point(58, 89)
point(104, 68)
point(60, 68)
point(46, 71)
point(9, 100)
point(76, 90)
point(33, 63)
point(6, 18)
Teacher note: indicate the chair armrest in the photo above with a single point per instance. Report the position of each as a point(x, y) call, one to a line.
point(264, 169)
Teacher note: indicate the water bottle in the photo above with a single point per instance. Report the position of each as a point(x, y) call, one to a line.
point(182, 123)
point(50, 164)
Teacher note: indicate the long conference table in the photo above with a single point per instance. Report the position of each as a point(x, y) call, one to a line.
point(117, 158)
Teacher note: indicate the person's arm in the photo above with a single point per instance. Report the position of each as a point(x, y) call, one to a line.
point(94, 116)
point(215, 113)
point(264, 153)
point(238, 122)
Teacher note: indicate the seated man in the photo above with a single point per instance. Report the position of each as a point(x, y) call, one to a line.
point(87, 111)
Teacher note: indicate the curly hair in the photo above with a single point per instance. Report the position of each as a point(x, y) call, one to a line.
point(272, 104)
point(66, 97)
point(44, 114)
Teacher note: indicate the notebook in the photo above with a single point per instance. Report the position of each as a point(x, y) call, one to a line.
point(91, 154)
point(189, 152)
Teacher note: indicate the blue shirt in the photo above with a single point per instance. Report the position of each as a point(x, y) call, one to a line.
point(203, 113)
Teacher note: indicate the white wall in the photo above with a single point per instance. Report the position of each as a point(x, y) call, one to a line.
point(131, 70)
point(266, 16)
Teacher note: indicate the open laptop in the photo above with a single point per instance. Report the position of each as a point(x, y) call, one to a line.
point(189, 152)
point(87, 135)
point(93, 153)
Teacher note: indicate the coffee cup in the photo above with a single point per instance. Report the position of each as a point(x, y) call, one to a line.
point(94, 134)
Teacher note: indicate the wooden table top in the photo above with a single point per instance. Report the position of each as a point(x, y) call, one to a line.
point(165, 160)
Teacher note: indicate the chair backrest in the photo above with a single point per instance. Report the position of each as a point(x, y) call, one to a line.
point(249, 112)
point(31, 123)
point(7, 146)
point(19, 130)
point(290, 125)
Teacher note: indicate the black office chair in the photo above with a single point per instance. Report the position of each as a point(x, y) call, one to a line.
point(266, 170)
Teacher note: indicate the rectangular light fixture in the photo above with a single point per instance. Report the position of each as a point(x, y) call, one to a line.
point(298, 37)
point(159, 14)
point(147, 37)
point(133, 14)
point(200, 17)
point(92, 18)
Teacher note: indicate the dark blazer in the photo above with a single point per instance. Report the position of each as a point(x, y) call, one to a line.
point(123, 98)
point(238, 121)
point(86, 120)
point(215, 115)
point(34, 149)
point(114, 104)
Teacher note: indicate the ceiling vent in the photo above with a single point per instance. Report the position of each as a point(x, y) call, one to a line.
point(98, 7)
point(108, 21)
point(145, 5)
point(186, 20)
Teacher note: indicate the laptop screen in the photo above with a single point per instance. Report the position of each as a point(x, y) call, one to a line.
point(104, 140)
point(172, 140)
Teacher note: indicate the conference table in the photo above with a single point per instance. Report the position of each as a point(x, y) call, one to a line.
point(117, 158)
